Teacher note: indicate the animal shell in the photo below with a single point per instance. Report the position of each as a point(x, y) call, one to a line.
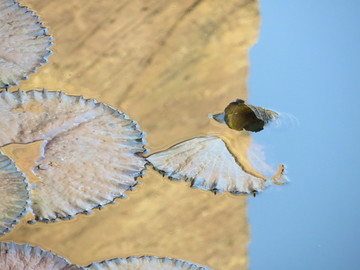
point(240, 116)
point(207, 163)
point(145, 263)
point(90, 150)
point(13, 194)
point(24, 43)
point(24, 257)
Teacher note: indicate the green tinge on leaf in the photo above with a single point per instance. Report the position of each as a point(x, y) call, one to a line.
point(240, 116)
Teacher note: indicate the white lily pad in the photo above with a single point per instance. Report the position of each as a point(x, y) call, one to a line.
point(90, 151)
point(145, 263)
point(25, 257)
point(13, 194)
point(208, 164)
point(24, 43)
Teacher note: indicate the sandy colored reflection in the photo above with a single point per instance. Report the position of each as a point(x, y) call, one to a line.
point(167, 64)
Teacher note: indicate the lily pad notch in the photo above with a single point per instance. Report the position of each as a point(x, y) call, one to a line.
point(92, 152)
point(208, 164)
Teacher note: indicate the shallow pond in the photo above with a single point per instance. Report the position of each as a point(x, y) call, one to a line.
point(168, 65)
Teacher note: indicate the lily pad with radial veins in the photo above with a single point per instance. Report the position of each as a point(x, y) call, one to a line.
point(145, 263)
point(207, 163)
point(25, 257)
point(24, 43)
point(13, 194)
point(90, 150)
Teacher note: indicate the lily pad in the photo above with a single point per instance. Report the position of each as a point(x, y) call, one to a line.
point(13, 194)
point(25, 257)
point(145, 263)
point(241, 116)
point(24, 43)
point(208, 164)
point(90, 150)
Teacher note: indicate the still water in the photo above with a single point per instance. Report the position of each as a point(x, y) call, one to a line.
point(306, 63)
point(169, 65)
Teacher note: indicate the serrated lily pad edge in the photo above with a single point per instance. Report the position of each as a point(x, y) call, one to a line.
point(27, 203)
point(44, 58)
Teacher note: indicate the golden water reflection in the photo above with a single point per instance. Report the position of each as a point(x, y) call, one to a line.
point(167, 64)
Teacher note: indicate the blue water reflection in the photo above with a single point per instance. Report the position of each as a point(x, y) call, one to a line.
point(307, 62)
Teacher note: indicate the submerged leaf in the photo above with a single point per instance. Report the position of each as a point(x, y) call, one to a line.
point(145, 263)
point(24, 257)
point(13, 194)
point(207, 163)
point(90, 150)
point(240, 116)
point(24, 43)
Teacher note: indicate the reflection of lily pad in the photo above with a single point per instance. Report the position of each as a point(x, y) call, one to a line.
point(24, 44)
point(90, 150)
point(13, 194)
point(145, 263)
point(25, 257)
point(207, 163)
point(239, 116)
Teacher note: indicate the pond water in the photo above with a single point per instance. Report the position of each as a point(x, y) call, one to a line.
point(170, 77)
point(307, 63)
point(166, 76)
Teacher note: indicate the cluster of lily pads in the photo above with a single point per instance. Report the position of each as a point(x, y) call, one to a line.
point(92, 153)
point(24, 257)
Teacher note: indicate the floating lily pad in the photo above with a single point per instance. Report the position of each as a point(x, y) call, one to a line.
point(145, 263)
point(24, 43)
point(241, 116)
point(13, 194)
point(90, 151)
point(208, 164)
point(25, 257)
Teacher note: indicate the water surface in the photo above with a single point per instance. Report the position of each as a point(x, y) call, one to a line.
point(307, 63)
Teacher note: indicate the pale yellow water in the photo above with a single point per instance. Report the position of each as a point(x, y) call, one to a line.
point(167, 64)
